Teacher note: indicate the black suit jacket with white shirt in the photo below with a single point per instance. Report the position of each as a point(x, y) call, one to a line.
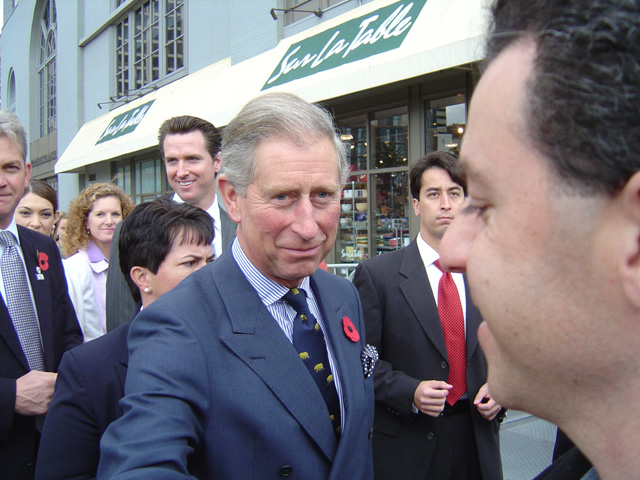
point(60, 332)
point(402, 322)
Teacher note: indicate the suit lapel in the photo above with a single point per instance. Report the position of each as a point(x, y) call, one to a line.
point(7, 331)
point(121, 368)
point(260, 343)
point(417, 292)
point(9, 335)
point(347, 353)
point(41, 294)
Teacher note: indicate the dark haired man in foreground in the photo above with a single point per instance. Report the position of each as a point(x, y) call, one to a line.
point(550, 236)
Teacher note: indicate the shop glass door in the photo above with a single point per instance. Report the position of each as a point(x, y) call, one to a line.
point(375, 202)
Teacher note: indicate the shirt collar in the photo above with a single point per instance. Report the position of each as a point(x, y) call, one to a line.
point(269, 291)
point(211, 210)
point(94, 253)
point(13, 228)
point(427, 252)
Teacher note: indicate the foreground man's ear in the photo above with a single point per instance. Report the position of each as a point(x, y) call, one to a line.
point(630, 265)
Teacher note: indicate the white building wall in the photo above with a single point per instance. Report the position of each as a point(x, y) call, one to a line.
point(16, 44)
point(215, 29)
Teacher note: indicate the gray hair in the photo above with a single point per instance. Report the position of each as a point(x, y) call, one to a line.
point(275, 115)
point(583, 97)
point(11, 127)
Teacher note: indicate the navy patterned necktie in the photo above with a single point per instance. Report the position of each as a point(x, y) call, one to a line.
point(20, 306)
point(308, 340)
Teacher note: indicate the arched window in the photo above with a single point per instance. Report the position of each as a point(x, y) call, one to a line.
point(11, 91)
point(47, 70)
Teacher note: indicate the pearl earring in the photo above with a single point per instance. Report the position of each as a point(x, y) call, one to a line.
point(147, 290)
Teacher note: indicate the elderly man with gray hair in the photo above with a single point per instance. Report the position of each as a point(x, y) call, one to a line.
point(253, 366)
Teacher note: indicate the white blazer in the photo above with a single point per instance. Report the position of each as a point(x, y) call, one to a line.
point(87, 281)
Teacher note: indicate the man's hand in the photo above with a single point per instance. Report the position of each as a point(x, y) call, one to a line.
point(486, 405)
point(430, 397)
point(33, 392)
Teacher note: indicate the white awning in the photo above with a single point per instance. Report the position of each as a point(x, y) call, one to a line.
point(445, 34)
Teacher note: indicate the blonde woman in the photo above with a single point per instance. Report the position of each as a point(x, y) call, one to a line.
point(93, 217)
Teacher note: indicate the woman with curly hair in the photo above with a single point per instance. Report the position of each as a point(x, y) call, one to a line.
point(93, 217)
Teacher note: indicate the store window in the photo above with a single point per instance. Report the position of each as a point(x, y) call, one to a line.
point(141, 179)
point(375, 201)
point(445, 123)
point(124, 179)
point(390, 131)
point(353, 131)
point(149, 45)
point(47, 69)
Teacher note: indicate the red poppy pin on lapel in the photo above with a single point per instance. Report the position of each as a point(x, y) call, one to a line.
point(43, 260)
point(349, 330)
point(43, 264)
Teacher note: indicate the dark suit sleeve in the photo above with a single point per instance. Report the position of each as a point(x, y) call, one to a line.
point(165, 397)
point(393, 388)
point(70, 444)
point(7, 406)
point(120, 306)
point(58, 322)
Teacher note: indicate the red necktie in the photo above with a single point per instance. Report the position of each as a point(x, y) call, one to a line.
point(452, 319)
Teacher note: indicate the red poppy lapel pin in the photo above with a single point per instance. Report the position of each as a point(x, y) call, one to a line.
point(350, 330)
point(43, 264)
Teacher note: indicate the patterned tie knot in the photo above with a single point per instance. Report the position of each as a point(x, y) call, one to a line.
point(298, 300)
point(437, 264)
point(7, 239)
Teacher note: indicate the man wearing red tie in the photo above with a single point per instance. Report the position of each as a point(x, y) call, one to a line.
point(434, 415)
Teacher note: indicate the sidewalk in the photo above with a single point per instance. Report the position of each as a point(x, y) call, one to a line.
point(526, 445)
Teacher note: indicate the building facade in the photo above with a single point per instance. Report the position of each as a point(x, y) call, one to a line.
point(92, 81)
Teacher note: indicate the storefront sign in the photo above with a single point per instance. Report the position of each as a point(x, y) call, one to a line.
point(380, 31)
point(124, 123)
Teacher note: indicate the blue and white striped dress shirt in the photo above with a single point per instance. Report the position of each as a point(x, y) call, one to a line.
point(271, 294)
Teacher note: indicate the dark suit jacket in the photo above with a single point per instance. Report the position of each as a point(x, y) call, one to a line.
point(120, 306)
point(403, 323)
point(90, 384)
point(572, 465)
point(215, 388)
point(60, 332)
